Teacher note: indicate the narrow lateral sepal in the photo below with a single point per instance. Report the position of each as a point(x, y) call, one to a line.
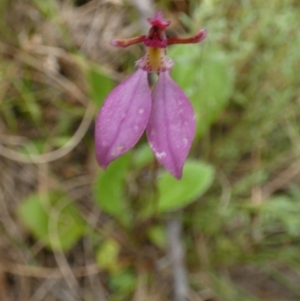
point(122, 118)
point(171, 128)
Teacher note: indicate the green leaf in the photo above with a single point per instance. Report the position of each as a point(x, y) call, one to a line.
point(41, 145)
point(143, 155)
point(174, 194)
point(157, 235)
point(49, 8)
point(52, 218)
point(107, 256)
point(123, 282)
point(207, 80)
point(281, 210)
point(30, 103)
point(35, 146)
point(109, 189)
point(100, 85)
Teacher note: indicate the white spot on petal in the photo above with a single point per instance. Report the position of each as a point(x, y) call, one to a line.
point(152, 147)
point(185, 141)
point(141, 111)
point(136, 127)
point(160, 155)
point(117, 150)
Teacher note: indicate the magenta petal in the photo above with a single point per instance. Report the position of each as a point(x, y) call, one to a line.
point(159, 21)
point(123, 118)
point(171, 127)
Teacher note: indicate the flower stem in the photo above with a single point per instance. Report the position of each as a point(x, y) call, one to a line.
point(176, 256)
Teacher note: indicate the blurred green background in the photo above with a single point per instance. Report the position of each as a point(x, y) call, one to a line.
point(70, 231)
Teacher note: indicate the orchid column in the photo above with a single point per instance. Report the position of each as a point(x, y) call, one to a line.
point(131, 108)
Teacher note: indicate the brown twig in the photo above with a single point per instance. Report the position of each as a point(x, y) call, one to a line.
point(56, 154)
point(283, 178)
point(69, 87)
point(45, 272)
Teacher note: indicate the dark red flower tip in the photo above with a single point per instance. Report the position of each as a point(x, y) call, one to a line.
point(159, 21)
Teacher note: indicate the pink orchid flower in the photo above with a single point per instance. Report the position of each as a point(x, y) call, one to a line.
point(131, 107)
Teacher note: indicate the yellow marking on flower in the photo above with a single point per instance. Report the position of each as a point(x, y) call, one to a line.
point(155, 58)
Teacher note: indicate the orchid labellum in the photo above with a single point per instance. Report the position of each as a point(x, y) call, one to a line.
point(131, 107)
